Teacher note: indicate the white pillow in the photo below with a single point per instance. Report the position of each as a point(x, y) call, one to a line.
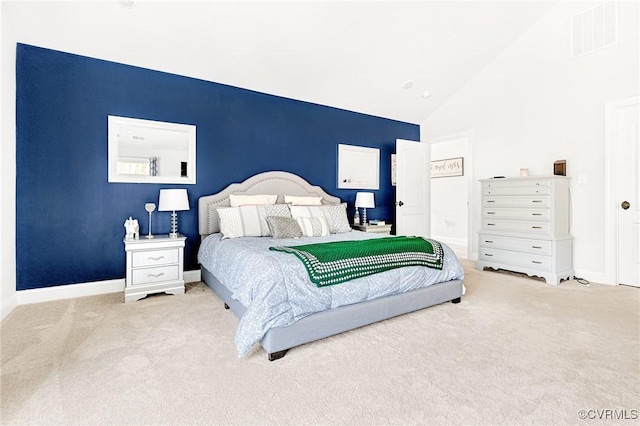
point(313, 226)
point(244, 221)
point(336, 216)
point(238, 200)
point(295, 200)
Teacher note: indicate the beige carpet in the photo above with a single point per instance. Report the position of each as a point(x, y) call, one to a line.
point(515, 351)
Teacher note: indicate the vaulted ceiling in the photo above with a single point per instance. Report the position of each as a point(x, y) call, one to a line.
point(354, 55)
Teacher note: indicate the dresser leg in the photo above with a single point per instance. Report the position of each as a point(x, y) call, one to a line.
point(456, 300)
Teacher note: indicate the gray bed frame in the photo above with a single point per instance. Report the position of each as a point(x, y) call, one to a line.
point(278, 340)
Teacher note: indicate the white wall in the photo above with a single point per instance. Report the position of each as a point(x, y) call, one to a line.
point(449, 195)
point(534, 104)
point(7, 165)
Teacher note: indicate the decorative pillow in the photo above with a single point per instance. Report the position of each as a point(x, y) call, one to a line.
point(238, 200)
point(295, 200)
point(244, 221)
point(339, 222)
point(283, 227)
point(313, 226)
point(281, 210)
point(336, 216)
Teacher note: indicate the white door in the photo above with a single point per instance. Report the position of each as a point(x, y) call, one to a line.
point(629, 196)
point(412, 188)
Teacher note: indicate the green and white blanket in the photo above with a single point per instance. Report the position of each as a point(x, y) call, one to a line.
point(337, 262)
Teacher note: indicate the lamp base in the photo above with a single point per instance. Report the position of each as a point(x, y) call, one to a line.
point(174, 225)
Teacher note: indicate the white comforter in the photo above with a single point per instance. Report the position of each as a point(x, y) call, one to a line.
point(275, 287)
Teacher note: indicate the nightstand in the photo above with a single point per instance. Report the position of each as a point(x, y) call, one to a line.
point(378, 229)
point(154, 265)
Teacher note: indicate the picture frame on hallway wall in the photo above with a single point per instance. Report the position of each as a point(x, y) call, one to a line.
point(447, 168)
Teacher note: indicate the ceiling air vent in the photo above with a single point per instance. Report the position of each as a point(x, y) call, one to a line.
point(595, 28)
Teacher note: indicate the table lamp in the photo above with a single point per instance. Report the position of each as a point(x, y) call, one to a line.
point(172, 200)
point(366, 201)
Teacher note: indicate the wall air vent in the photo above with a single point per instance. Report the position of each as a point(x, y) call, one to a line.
point(595, 28)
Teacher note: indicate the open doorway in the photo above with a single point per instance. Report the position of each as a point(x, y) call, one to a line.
point(450, 216)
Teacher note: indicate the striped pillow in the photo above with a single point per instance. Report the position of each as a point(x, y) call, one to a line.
point(336, 216)
point(313, 226)
point(249, 221)
point(244, 221)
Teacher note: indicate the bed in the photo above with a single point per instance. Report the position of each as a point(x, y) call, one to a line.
point(315, 313)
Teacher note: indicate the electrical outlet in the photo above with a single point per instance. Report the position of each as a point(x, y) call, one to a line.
point(582, 178)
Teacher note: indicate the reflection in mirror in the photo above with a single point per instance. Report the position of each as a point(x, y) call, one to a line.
point(145, 151)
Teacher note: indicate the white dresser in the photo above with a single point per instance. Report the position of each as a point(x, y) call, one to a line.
point(154, 265)
point(525, 227)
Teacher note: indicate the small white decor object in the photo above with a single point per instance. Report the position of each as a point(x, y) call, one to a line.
point(132, 229)
point(172, 200)
point(150, 207)
point(365, 200)
point(524, 172)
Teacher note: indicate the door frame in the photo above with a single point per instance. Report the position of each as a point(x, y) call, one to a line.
point(611, 196)
point(468, 173)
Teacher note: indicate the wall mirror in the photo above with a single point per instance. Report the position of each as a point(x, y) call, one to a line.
point(145, 151)
point(358, 167)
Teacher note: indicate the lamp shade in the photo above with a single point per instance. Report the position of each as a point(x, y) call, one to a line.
point(365, 199)
point(173, 200)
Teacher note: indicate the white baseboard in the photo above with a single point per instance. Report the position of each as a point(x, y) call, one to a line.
point(592, 276)
point(70, 291)
point(192, 276)
point(8, 305)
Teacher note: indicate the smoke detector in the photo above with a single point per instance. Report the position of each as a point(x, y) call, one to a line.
point(128, 4)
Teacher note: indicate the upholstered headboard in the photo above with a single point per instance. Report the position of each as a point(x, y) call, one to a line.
point(281, 183)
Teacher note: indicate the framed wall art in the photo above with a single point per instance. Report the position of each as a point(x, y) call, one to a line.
point(447, 168)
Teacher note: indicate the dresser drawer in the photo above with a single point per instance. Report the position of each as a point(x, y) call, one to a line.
point(152, 275)
point(539, 228)
point(155, 257)
point(542, 201)
point(517, 190)
point(529, 261)
point(515, 213)
point(515, 244)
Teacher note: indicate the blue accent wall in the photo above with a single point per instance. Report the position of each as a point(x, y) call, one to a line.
point(70, 219)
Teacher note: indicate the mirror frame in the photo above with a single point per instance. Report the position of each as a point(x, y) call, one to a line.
point(114, 122)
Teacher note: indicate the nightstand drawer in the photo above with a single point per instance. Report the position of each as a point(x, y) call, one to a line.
point(155, 257)
point(151, 275)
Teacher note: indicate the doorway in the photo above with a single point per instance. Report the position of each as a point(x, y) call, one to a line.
point(622, 193)
point(450, 209)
